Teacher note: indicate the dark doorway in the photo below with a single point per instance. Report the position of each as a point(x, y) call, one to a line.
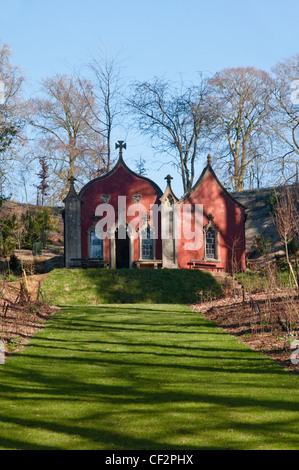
point(122, 251)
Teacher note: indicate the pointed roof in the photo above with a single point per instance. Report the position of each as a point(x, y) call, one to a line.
point(72, 191)
point(120, 162)
point(168, 191)
point(209, 170)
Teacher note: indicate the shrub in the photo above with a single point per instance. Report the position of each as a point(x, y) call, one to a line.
point(14, 263)
point(261, 245)
point(37, 225)
point(8, 238)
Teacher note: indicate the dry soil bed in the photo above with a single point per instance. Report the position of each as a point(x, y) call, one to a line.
point(269, 328)
point(21, 317)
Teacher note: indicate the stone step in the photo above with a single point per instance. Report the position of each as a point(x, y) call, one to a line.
point(227, 281)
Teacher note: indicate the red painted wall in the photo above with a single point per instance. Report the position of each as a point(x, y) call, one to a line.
point(229, 217)
point(119, 182)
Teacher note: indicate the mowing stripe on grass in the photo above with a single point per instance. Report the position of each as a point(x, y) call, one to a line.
point(143, 377)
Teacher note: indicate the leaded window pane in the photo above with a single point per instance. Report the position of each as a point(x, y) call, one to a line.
point(147, 245)
point(210, 243)
point(96, 246)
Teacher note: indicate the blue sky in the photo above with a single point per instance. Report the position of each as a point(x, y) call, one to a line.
point(153, 37)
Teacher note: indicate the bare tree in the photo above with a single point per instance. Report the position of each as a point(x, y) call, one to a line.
point(285, 217)
point(72, 148)
point(175, 118)
point(286, 116)
point(240, 101)
point(140, 165)
point(43, 176)
point(105, 75)
point(11, 113)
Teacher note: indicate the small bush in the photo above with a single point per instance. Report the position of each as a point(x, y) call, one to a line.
point(14, 263)
point(36, 226)
point(8, 238)
point(261, 245)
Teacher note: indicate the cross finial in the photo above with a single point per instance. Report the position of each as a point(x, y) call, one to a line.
point(120, 145)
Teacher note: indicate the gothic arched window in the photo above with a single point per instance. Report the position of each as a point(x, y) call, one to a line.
point(147, 244)
point(211, 240)
point(210, 244)
point(95, 246)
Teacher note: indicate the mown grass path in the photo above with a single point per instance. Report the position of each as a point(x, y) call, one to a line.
point(144, 377)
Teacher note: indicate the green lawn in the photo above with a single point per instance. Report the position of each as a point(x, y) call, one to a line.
point(144, 377)
point(259, 281)
point(102, 286)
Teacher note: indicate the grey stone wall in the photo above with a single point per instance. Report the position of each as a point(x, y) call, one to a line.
point(72, 227)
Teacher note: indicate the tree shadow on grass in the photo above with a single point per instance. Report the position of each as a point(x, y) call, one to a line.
point(113, 405)
point(100, 387)
point(153, 286)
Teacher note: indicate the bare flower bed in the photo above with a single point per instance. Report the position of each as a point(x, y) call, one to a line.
point(267, 323)
point(20, 316)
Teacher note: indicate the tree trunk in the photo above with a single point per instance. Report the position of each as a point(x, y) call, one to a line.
point(290, 265)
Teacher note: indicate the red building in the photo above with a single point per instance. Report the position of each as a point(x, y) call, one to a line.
point(124, 220)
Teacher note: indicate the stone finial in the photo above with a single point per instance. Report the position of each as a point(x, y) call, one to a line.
point(209, 159)
point(168, 178)
point(72, 180)
point(72, 193)
point(168, 197)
